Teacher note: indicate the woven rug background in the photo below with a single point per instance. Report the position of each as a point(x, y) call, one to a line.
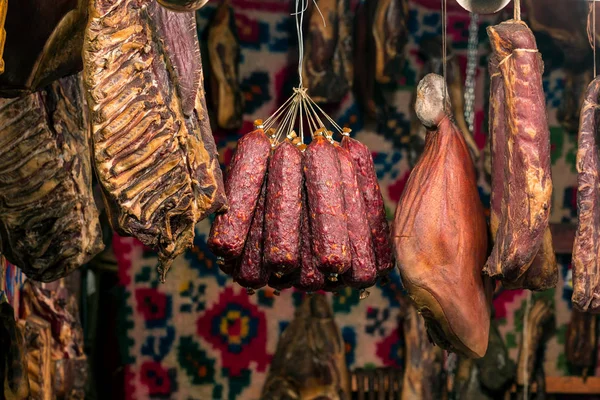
point(200, 337)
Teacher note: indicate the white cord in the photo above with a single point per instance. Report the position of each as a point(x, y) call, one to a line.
point(299, 14)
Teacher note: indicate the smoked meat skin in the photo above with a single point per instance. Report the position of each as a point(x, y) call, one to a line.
point(243, 182)
point(375, 207)
point(157, 176)
point(252, 272)
point(586, 274)
point(283, 208)
point(526, 197)
point(328, 220)
point(49, 223)
point(440, 235)
point(543, 272)
point(363, 271)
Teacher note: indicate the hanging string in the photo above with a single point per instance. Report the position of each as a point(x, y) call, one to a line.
point(299, 14)
point(525, 339)
point(444, 47)
point(517, 15)
point(591, 30)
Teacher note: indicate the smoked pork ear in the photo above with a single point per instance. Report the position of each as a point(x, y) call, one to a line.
point(524, 153)
point(440, 232)
point(154, 153)
point(586, 274)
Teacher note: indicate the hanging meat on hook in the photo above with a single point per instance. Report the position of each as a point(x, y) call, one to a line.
point(581, 342)
point(374, 204)
point(440, 231)
point(527, 182)
point(586, 271)
point(223, 73)
point(431, 50)
point(543, 272)
point(43, 43)
point(328, 69)
point(390, 31)
point(153, 150)
point(49, 223)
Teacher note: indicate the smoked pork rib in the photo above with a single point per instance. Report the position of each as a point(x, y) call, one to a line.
point(440, 232)
point(586, 274)
point(153, 151)
point(527, 181)
point(48, 219)
point(543, 272)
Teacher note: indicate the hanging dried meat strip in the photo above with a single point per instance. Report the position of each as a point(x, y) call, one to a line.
point(327, 70)
point(284, 209)
point(440, 232)
point(526, 197)
point(328, 220)
point(390, 31)
point(586, 271)
point(375, 207)
point(49, 223)
point(364, 57)
point(224, 57)
point(155, 165)
point(245, 176)
point(543, 272)
point(581, 341)
point(363, 269)
point(252, 272)
point(13, 358)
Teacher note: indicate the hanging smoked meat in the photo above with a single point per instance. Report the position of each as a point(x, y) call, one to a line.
point(49, 224)
point(328, 69)
point(424, 365)
point(390, 31)
point(581, 341)
point(440, 232)
point(543, 272)
point(309, 363)
point(431, 50)
point(43, 43)
point(522, 230)
point(153, 150)
point(226, 99)
point(14, 382)
point(365, 90)
point(54, 312)
point(586, 273)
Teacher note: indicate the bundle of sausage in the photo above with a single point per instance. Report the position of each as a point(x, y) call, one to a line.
point(299, 215)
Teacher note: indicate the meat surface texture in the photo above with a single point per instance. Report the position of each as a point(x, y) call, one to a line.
point(375, 207)
point(154, 153)
point(586, 273)
point(328, 220)
point(49, 223)
point(527, 183)
point(440, 233)
point(245, 176)
point(543, 272)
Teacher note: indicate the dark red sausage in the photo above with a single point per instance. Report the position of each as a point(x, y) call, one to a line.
point(309, 278)
point(252, 273)
point(283, 209)
point(279, 284)
point(243, 183)
point(367, 180)
point(329, 239)
point(363, 271)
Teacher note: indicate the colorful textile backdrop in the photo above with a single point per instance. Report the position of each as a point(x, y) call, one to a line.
point(200, 336)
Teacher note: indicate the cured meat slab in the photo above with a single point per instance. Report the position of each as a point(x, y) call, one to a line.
point(543, 271)
point(586, 271)
point(153, 152)
point(440, 232)
point(48, 220)
point(526, 196)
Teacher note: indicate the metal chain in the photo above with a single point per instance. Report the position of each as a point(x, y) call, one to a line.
point(472, 54)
